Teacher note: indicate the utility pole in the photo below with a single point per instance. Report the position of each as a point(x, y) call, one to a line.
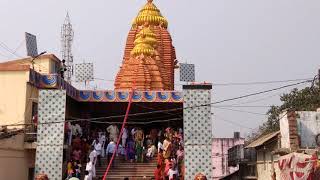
point(66, 47)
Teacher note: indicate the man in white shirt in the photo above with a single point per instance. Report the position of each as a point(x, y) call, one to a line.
point(102, 140)
point(124, 136)
point(110, 150)
point(98, 148)
point(89, 168)
point(93, 160)
point(113, 132)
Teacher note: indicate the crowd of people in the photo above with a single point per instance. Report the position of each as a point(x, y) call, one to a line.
point(170, 158)
point(136, 145)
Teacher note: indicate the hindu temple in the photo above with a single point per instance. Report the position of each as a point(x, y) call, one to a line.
point(149, 58)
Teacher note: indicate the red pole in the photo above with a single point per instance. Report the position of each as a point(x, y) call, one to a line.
point(121, 132)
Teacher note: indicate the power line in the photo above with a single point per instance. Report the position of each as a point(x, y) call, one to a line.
point(231, 122)
point(259, 82)
point(177, 109)
point(257, 100)
point(242, 111)
point(240, 106)
point(234, 83)
point(153, 109)
point(136, 122)
point(18, 47)
point(4, 46)
point(261, 92)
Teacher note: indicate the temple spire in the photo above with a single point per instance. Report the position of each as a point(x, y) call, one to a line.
point(149, 54)
point(150, 14)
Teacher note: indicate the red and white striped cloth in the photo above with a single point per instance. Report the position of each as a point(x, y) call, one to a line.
point(297, 166)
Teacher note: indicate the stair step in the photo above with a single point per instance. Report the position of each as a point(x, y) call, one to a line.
point(123, 168)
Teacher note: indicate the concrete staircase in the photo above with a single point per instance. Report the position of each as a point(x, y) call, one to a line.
point(122, 169)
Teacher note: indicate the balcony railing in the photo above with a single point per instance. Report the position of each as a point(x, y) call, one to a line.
point(238, 154)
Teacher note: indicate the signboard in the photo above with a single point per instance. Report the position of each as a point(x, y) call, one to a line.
point(31, 44)
point(84, 72)
point(187, 72)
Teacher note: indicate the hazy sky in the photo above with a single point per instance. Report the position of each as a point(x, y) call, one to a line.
point(228, 40)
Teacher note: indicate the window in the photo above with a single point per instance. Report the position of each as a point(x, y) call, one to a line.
point(54, 67)
point(34, 109)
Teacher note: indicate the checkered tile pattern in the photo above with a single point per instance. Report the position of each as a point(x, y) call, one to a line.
point(198, 160)
point(84, 72)
point(187, 72)
point(50, 135)
point(196, 117)
point(197, 132)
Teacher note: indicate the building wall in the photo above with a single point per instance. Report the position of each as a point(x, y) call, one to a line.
point(308, 126)
point(264, 167)
point(220, 148)
point(284, 131)
point(308, 123)
point(14, 160)
point(264, 162)
point(46, 65)
point(13, 94)
point(16, 95)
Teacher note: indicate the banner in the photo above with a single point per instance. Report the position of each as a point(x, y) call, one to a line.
point(297, 166)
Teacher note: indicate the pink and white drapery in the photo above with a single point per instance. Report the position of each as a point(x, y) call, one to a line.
point(297, 166)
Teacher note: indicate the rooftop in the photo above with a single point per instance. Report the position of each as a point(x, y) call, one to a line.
point(260, 141)
point(24, 64)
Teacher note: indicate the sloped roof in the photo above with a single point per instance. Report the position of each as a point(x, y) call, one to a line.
point(260, 141)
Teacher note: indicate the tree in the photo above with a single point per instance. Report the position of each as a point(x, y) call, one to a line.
point(307, 99)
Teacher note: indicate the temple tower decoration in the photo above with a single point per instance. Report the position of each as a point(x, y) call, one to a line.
point(149, 58)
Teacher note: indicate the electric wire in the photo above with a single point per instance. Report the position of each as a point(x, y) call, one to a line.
point(18, 47)
point(231, 122)
point(233, 83)
point(242, 111)
point(4, 46)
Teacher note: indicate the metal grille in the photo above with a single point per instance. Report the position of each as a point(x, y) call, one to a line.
point(84, 72)
point(31, 44)
point(187, 72)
